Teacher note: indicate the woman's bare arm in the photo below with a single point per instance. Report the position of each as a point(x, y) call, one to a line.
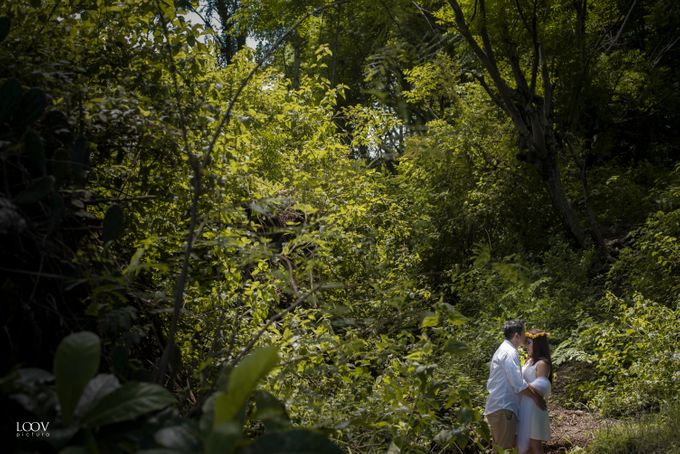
point(542, 369)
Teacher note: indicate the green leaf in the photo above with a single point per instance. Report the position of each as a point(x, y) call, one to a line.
point(38, 190)
point(10, 98)
point(430, 321)
point(271, 412)
point(191, 40)
point(242, 381)
point(4, 27)
point(128, 402)
point(455, 346)
point(298, 441)
point(75, 363)
point(454, 316)
point(183, 438)
point(114, 222)
point(96, 389)
point(167, 8)
point(223, 439)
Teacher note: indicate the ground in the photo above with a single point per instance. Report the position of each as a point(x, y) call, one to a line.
point(572, 428)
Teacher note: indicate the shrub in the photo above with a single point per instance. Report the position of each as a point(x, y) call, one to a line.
point(658, 433)
point(635, 356)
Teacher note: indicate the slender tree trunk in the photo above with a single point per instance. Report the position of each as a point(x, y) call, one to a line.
point(336, 46)
point(541, 148)
point(297, 51)
point(550, 173)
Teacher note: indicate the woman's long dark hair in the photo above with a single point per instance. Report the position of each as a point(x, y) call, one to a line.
point(541, 349)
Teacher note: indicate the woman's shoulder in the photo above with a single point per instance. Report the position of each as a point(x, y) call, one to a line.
point(542, 364)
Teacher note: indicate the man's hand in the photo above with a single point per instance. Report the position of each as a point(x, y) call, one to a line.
point(538, 399)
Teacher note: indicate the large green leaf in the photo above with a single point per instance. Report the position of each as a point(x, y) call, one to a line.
point(128, 402)
point(271, 412)
point(96, 389)
point(75, 363)
point(242, 382)
point(456, 346)
point(298, 441)
point(222, 439)
point(181, 437)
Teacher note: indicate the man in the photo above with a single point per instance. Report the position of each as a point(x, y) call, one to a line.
point(505, 386)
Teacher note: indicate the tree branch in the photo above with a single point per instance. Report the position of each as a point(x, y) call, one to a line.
point(269, 323)
point(535, 58)
point(198, 166)
point(547, 86)
point(623, 25)
point(178, 295)
point(504, 98)
point(226, 117)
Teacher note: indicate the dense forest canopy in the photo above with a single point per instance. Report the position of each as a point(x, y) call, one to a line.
point(250, 226)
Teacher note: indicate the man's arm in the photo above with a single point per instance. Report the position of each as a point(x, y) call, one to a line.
point(513, 372)
point(514, 376)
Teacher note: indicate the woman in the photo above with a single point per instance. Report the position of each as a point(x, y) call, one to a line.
point(534, 426)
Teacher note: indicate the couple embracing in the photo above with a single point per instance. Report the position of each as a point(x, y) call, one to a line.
point(516, 409)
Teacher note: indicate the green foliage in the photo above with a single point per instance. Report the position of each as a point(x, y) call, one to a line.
point(363, 213)
point(242, 379)
point(634, 354)
point(85, 401)
point(649, 264)
point(75, 363)
point(657, 433)
point(104, 405)
point(128, 402)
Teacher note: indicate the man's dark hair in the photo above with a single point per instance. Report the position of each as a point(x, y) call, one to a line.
point(511, 327)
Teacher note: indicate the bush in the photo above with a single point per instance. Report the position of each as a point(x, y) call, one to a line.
point(650, 264)
point(635, 356)
point(658, 433)
point(88, 412)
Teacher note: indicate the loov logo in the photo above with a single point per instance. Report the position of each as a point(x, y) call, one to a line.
point(32, 429)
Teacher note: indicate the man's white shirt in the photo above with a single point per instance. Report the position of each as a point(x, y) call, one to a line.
point(505, 380)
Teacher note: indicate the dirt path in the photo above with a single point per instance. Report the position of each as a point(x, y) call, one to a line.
point(572, 428)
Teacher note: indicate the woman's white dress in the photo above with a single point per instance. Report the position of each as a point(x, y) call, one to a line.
point(533, 422)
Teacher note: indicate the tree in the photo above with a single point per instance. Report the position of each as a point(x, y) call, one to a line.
point(233, 34)
point(522, 87)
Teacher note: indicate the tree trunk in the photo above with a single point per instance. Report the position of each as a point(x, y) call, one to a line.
point(550, 173)
point(297, 44)
point(539, 147)
point(531, 112)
